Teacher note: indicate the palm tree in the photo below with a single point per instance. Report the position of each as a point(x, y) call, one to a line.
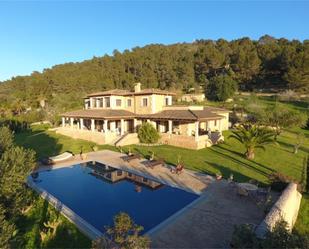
point(253, 137)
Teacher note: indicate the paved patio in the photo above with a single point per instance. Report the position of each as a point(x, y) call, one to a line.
point(210, 222)
point(207, 223)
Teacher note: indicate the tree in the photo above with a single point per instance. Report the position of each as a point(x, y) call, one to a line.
point(7, 230)
point(6, 139)
point(280, 117)
point(148, 134)
point(253, 137)
point(125, 234)
point(220, 88)
point(15, 165)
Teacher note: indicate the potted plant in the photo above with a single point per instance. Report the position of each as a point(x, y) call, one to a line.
point(129, 152)
point(152, 156)
point(218, 175)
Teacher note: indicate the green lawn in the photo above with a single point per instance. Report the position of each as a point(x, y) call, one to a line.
point(226, 158)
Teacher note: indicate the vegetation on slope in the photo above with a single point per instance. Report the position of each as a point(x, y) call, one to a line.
point(266, 63)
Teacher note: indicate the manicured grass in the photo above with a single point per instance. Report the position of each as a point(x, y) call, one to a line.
point(302, 224)
point(227, 157)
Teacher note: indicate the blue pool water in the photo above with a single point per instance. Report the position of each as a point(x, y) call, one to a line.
point(97, 193)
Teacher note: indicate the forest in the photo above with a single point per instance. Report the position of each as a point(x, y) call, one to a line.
point(267, 64)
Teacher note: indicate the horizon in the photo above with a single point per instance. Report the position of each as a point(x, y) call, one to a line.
point(35, 40)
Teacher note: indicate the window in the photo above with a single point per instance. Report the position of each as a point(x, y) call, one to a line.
point(129, 102)
point(145, 102)
point(101, 102)
point(107, 102)
point(166, 101)
point(118, 102)
point(215, 122)
point(94, 102)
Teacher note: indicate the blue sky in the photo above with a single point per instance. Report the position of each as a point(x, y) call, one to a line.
point(39, 34)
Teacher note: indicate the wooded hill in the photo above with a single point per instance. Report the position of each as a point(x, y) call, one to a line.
point(263, 64)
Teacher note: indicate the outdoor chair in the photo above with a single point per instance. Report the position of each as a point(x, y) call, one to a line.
point(178, 169)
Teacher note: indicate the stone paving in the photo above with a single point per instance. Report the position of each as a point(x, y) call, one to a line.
point(207, 223)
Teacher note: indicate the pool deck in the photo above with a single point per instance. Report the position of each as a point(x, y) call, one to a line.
point(208, 222)
point(188, 180)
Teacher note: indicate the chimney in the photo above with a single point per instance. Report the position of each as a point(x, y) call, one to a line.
point(137, 87)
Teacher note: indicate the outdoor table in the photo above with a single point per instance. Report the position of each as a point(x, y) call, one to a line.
point(248, 186)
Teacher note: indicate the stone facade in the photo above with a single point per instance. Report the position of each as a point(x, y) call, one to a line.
point(113, 114)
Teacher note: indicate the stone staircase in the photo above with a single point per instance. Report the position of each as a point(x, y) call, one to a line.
point(127, 139)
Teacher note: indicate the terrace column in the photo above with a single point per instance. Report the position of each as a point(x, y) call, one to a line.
point(81, 122)
point(92, 125)
point(105, 125)
point(197, 124)
point(63, 121)
point(170, 126)
point(112, 126)
point(220, 128)
point(121, 127)
point(71, 122)
point(134, 125)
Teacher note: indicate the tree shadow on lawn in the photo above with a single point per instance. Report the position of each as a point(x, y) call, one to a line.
point(43, 144)
point(241, 163)
point(32, 225)
point(284, 144)
point(67, 238)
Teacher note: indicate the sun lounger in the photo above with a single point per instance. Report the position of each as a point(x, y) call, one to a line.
point(154, 163)
point(131, 157)
point(56, 159)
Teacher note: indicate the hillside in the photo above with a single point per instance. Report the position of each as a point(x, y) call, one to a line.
point(266, 63)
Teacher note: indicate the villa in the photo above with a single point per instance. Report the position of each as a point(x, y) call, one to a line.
point(113, 117)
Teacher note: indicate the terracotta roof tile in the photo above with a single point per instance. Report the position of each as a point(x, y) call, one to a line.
point(120, 92)
point(99, 113)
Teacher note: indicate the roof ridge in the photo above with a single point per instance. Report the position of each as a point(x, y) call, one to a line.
point(193, 113)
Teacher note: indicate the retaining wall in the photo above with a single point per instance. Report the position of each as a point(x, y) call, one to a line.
point(93, 136)
point(286, 208)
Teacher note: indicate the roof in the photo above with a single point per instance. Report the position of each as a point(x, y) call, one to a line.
point(121, 92)
point(208, 113)
point(100, 114)
point(189, 115)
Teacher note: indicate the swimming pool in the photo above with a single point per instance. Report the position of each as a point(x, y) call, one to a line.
point(97, 192)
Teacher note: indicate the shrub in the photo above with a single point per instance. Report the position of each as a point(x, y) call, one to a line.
point(148, 134)
point(279, 181)
point(244, 237)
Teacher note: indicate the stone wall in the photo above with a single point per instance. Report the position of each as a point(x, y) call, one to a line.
point(93, 136)
point(183, 141)
point(286, 208)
